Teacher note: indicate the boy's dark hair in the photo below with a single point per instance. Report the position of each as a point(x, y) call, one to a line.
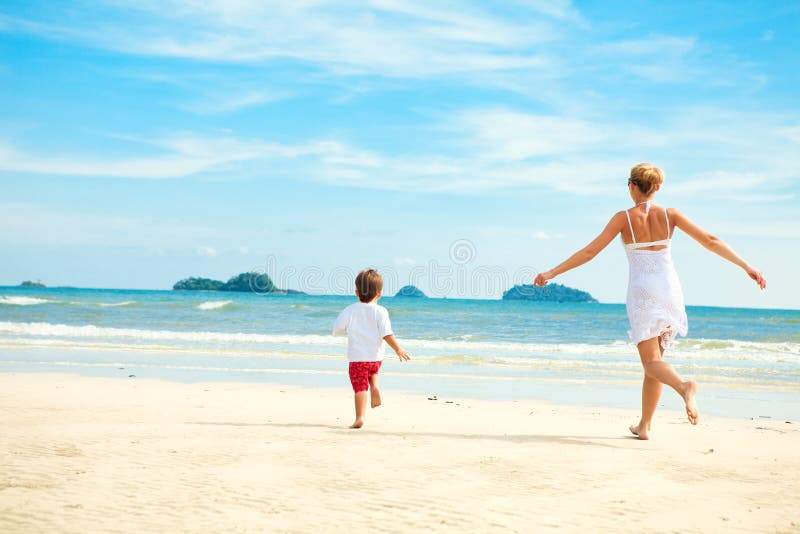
point(368, 284)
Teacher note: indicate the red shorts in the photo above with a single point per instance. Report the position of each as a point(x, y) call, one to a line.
point(360, 373)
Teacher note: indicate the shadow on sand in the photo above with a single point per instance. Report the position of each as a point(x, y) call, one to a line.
point(513, 438)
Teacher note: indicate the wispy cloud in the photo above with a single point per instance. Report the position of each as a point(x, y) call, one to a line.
point(35, 224)
point(343, 37)
point(785, 229)
point(658, 58)
point(179, 156)
point(510, 135)
point(546, 236)
point(206, 251)
point(648, 46)
point(233, 101)
point(729, 182)
point(485, 149)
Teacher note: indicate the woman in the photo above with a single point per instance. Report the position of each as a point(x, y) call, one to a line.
point(655, 300)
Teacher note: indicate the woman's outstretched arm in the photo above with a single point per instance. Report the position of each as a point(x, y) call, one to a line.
point(715, 245)
point(587, 253)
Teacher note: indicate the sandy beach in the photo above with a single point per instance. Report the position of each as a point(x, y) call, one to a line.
point(83, 454)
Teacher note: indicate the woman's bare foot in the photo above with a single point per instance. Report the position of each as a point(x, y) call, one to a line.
point(358, 424)
point(689, 393)
point(375, 397)
point(640, 430)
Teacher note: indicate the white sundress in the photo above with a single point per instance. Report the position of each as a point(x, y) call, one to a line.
point(655, 299)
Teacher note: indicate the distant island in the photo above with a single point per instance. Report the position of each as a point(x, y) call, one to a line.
point(410, 291)
point(548, 293)
point(243, 282)
point(28, 283)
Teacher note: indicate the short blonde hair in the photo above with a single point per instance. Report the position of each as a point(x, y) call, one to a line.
point(646, 177)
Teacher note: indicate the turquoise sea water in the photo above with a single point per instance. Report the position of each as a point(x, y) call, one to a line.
point(746, 360)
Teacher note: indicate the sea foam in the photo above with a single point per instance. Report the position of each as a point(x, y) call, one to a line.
point(116, 304)
point(23, 301)
point(452, 351)
point(214, 304)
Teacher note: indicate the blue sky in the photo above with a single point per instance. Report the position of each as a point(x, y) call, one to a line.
point(143, 142)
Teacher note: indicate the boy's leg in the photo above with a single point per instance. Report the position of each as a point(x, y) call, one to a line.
point(656, 368)
point(375, 393)
point(361, 407)
point(359, 374)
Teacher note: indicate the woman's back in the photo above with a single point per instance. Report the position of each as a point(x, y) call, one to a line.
point(648, 227)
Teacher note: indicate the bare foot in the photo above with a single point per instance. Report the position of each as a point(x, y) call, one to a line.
point(375, 397)
point(689, 393)
point(358, 424)
point(640, 431)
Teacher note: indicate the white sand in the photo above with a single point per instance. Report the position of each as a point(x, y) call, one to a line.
point(85, 454)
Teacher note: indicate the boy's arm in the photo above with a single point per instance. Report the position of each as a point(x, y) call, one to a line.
point(340, 324)
point(392, 342)
point(385, 327)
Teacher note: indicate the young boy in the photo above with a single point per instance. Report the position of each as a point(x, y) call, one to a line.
point(367, 326)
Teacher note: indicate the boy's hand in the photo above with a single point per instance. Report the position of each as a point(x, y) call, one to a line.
point(392, 342)
point(403, 355)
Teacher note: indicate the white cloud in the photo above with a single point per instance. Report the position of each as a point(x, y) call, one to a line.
point(560, 9)
point(244, 251)
point(768, 36)
point(180, 156)
point(343, 37)
point(658, 58)
point(650, 46)
point(480, 150)
point(206, 251)
point(728, 182)
point(510, 135)
point(34, 224)
point(235, 101)
point(405, 261)
point(546, 236)
point(786, 229)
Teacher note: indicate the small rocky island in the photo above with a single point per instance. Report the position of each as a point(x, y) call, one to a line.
point(410, 291)
point(243, 282)
point(29, 283)
point(548, 293)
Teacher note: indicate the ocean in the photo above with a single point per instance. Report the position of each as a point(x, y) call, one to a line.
point(746, 361)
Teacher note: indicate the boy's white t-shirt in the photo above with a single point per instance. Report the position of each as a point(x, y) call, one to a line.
point(366, 324)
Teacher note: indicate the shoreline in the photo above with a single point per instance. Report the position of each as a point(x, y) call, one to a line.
point(347, 295)
point(416, 378)
point(87, 454)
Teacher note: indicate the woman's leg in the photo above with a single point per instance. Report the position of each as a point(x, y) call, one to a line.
point(655, 368)
point(651, 393)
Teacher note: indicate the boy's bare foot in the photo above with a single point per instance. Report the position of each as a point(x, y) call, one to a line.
point(640, 431)
point(689, 393)
point(358, 424)
point(375, 397)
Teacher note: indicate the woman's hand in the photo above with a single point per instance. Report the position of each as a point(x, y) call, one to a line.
point(542, 278)
point(757, 276)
